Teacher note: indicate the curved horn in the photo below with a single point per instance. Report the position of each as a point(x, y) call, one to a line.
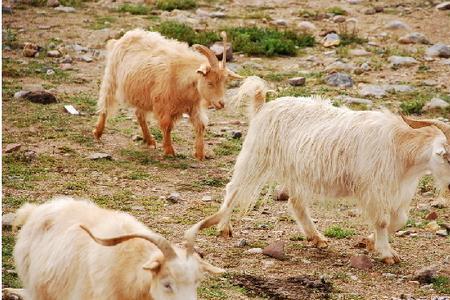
point(213, 61)
point(191, 233)
point(445, 128)
point(223, 34)
point(158, 240)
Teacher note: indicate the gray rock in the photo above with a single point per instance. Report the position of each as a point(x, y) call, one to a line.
point(306, 26)
point(66, 67)
point(442, 232)
point(359, 52)
point(399, 88)
point(86, 58)
point(275, 250)
point(54, 53)
point(397, 61)
point(100, 155)
point(435, 103)
point(78, 48)
point(174, 197)
point(438, 50)
point(297, 81)
point(338, 19)
point(66, 9)
point(280, 22)
point(396, 25)
point(362, 262)
point(9, 148)
point(53, 3)
point(217, 48)
point(7, 9)
point(430, 82)
point(20, 94)
point(8, 220)
point(50, 72)
point(352, 100)
point(354, 1)
point(217, 14)
point(236, 134)
point(370, 11)
point(252, 65)
point(341, 80)
point(365, 66)
point(372, 90)
point(413, 38)
point(202, 13)
point(255, 251)
point(443, 6)
point(207, 198)
point(41, 97)
point(425, 275)
point(242, 243)
point(67, 59)
point(331, 39)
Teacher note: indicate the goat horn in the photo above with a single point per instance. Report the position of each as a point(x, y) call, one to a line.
point(445, 128)
point(191, 233)
point(213, 61)
point(223, 34)
point(158, 240)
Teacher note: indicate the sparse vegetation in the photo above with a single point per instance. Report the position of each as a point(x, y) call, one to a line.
point(442, 284)
point(184, 33)
point(338, 232)
point(412, 106)
point(175, 4)
point(135, 9)
point(336, 10)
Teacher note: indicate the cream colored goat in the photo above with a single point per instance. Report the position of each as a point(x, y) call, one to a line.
point(153, 74)
point(316, 150)
point(59, 255)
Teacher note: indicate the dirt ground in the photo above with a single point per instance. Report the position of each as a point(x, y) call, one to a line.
point(55, 146)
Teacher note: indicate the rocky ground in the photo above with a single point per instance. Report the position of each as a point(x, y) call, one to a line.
point(367, 55)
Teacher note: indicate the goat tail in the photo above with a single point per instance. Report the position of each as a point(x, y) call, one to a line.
point(23, 214)
point(253, 90)
point(107, 103)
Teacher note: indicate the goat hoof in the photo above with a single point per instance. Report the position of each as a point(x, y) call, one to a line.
point(226, 232)
point(319, 242)
point(169, 152)
point(97, 135)
point(151, 144)
point(389, 260)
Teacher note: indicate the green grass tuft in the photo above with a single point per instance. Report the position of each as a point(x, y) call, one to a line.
point(412, 106)
point(228, 147)
point(135, 9)
point(442, 284)
point(338, 232)
point(170, 5)
point(185, 33)
point(336, 10)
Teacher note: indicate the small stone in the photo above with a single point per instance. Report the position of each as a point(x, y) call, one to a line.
point(12, 148)
point(331, 39)
point(438, 50)
point(432, 216)
point(50, 72)
point(174, 197)
point(66, 67)
point(54, 53)
point(66, 9)
point(137, 138)
point(53, 3)
point(78, 48)
point(339, 66)
point(100, 155)
point(71, 110)
point(433, 226)
point(338, 19)
point(41, 97)
point(435, 103)
point(20, 94)
point(255, 251)
point(297, 81)
point(397, 25)
point(413, 38)
point(67, 59)
point(352, 100)
point(30, 155)
point(279, 194)
point(361, 262)
point(389, 275)
point(8, 220)
point(30, 50)
point(359, 52)
point(86, 58)
point(217, 48)
point(341, 80)
point(137, 207)
point(217, 14)
point(207, 198)
point(280, 22)
point(443, 6)
point(370, 11)
point(379, 9)
point(242, 243)
point(306, 26)
point(399, 88)
point(425, 275)
point(236, 135)
point(442, 232)
point(202, 13)
point(402, 233)
point(275, 250)
point(402, 61)
point(372, 90)
point(7, 9)
point(430, 82)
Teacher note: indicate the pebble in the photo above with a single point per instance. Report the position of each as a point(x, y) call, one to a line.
point(370, 11)
point(297, 81)
point(362, 262)
point(413, 38)
point(67, 59)
point(86, 58)
point(255, 251)
point(442, 232)
point(217, 14)
point(207, 198)
point(280, 22)
point(338, 66)
point(359, 52)
point(352, 100)
point(66, 9)
point(242, 243)
point(50, 72)
point(66, 67)
point(397, 25)
point(54, 53)
point(372, 90)
point(443, 6)
point(236, 134)
point(425, 275)
point(331, 39)
point(100, 155)
point(435, 103)
point(78, 48)
point(174, 197)
point(7, 9)
point(217, 48)
point(9, 148)
point(8, 220)
point(438, 50)
point(53, 3)
point(338, 19)
point(306, 26)
point(402, 61)
point(341, 80)
point(275, 250)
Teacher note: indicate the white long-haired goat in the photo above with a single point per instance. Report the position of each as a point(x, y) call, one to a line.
point(316, 150)
point(59, 255)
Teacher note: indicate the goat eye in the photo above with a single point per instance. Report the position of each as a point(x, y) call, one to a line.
point(168, 287)
point(210, 84)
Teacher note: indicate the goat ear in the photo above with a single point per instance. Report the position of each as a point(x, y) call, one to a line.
point(153, 265)
point(204, 69)
point(415, 123)
point(207, 267)
point(233, 75)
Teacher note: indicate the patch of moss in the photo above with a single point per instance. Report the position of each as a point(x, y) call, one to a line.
point(170, 5)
